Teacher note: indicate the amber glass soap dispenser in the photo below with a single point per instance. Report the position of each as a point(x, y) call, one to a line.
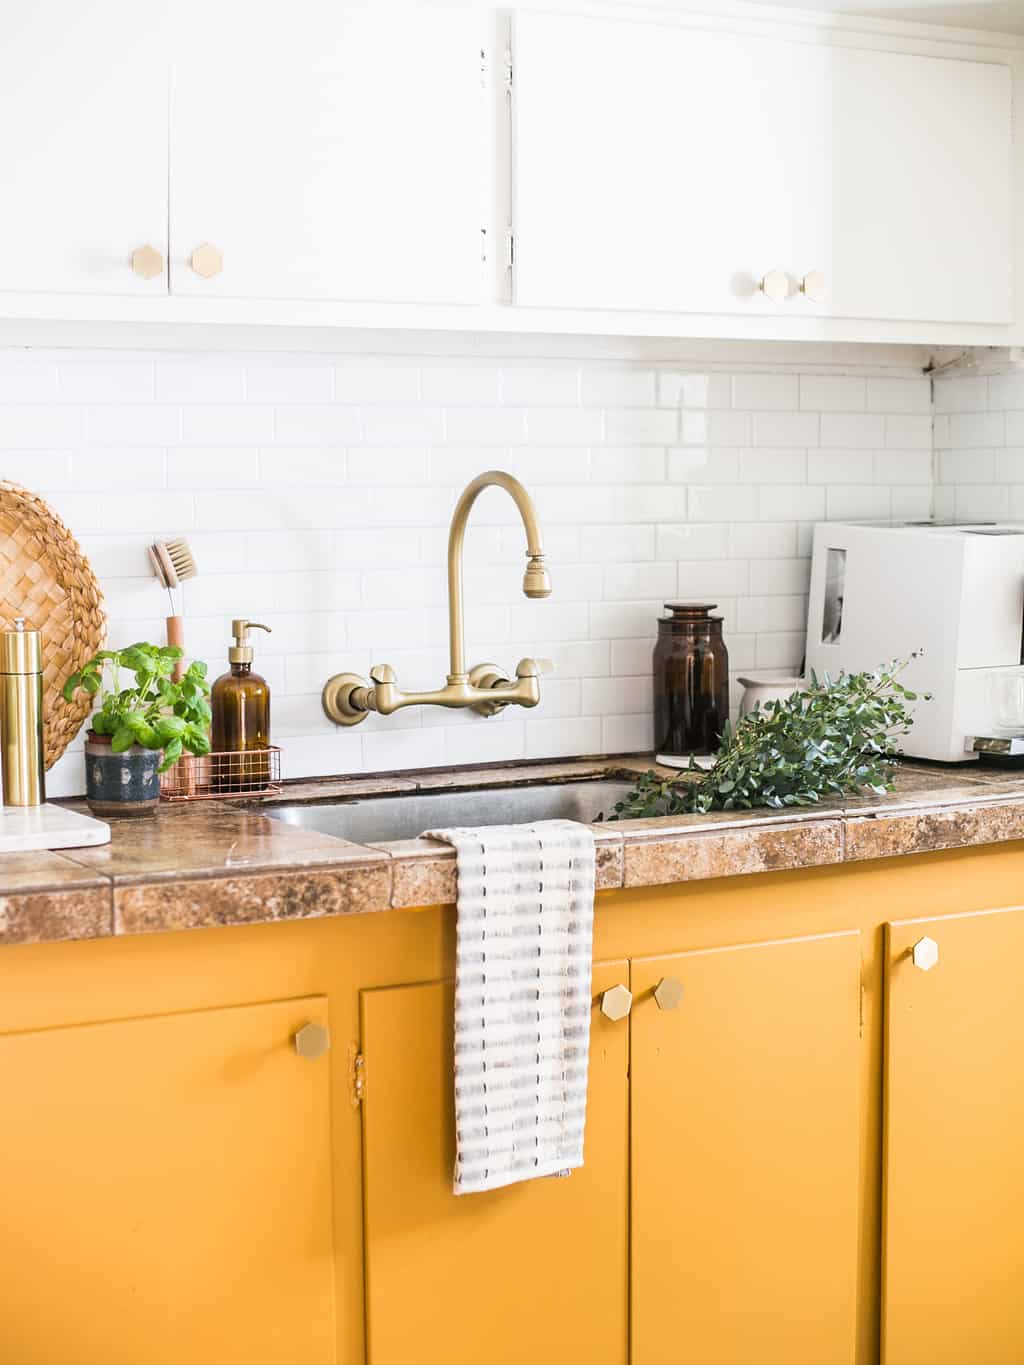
point(240, 701)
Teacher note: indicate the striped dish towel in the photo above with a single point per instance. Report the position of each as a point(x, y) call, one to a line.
point(522, 1000)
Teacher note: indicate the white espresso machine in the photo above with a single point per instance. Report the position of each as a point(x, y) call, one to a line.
point(951, 595)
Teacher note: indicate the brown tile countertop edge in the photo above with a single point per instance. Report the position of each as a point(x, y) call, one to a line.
point(226, 864)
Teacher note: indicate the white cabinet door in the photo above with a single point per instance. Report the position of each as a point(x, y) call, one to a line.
point(923, 180)
point(83, 146)
point(330, 150)
point(660, 167)
point(666, 167)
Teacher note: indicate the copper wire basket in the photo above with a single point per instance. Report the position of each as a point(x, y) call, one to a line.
point(239, 775)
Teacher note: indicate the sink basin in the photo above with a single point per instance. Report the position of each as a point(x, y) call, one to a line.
point(368, 820)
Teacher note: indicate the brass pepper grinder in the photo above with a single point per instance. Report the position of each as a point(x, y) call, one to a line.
point(21, 715)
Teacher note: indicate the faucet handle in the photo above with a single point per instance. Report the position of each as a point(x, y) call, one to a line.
point(533, 668)
point(382, 673)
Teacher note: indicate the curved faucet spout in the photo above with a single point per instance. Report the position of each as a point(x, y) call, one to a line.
point(536, 582)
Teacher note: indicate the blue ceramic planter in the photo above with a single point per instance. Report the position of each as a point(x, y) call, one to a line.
point(120, 784)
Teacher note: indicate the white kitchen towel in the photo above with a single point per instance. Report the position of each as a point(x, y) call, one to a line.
point(522, 1000)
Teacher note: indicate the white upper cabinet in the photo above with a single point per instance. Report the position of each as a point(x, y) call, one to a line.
point(922, 184)
point(329, 151)
point(83, 147)
point(661, 167)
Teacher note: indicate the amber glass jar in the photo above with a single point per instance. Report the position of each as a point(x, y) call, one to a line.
point(691, 680)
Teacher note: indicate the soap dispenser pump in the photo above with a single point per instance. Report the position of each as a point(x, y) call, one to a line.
point(240, 698)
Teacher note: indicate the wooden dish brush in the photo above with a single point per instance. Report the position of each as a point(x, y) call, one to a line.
point(173, 562)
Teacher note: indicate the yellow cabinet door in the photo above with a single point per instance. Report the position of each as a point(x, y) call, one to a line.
point(165, 1192)
point(533, 1274)
point(954, 1141)
point(745, 1154)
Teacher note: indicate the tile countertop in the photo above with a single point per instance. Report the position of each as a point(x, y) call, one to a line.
point(222, 863)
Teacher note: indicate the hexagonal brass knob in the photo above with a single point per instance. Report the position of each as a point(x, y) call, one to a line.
point(668, 993)
point(147, 262)
point(616, 1002)
point(207, 260)
point(925, 954)
point(312, 1041)
point(775, 286)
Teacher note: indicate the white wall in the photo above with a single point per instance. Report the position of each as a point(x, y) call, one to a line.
point(316, 490)
point(979, 444)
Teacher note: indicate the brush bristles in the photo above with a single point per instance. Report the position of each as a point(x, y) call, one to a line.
point(172, 562)
point(180, 553)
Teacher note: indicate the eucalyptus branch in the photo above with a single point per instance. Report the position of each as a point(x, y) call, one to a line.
point(839, 736)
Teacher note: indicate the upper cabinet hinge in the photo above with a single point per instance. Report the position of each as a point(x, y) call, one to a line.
point(357, 1075)
point(507, 69)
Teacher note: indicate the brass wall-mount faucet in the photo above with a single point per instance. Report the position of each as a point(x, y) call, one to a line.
point(348, 698)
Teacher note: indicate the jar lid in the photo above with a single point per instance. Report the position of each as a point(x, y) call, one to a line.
point(692, 611)
point(20, 649)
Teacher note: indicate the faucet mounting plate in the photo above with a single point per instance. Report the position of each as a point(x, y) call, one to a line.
point(337, 699)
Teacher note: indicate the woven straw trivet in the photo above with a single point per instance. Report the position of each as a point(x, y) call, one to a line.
point(45, 577)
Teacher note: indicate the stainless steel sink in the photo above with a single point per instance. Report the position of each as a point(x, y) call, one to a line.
point(367, 820)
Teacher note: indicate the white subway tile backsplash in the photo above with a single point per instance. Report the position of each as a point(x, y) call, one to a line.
point(712, 578)
point(770, 392)
point(627, 734)
point(618, 388)
point(904, 432)
point(774, 466)
point(626, 582)
point(899, 395)
point(785, 429)
point(724, 503)
point(762, 541)
point(565, 426)
point(376, 382)
point(296, 382)
point(317, 492)
point(456, 384)
point(715, 428)
point(209, 381)
point(324, 425)
point(703, 464)
point(641, 426)
point(832, 393)
point(627, 464)
point(492, 426)
point(556, 385)
point(859, 502)
point(797, 503)
point(859, 431)
point(227, 424)
point(840, 466)
point(35, 427)
point(971, 430)
point(678, 389)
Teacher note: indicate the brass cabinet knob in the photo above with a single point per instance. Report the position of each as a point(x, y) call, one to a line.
point(668, 993)
point(147, 262)
point(207, 260)
point(312, 1041)
point(814, 286)
point(775, 286)
point(925, 954)
point(616, 1002)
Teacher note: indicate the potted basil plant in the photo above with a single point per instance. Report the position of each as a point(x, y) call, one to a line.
point(139, 731)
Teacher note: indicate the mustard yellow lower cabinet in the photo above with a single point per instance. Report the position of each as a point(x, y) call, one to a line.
point(536, 1272)
point(954, 1139)
point(165, 1194)
point(746, 1153)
